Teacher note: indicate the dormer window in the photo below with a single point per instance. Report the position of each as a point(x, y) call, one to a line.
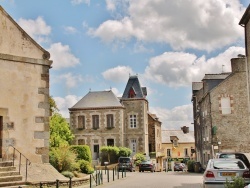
point(131, 93)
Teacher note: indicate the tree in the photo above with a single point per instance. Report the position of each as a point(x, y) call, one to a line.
point(60, 133)
point(53, 106)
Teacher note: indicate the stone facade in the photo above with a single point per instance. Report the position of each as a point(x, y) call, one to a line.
point(121, 122)
point(221, 113)
point(24, 101)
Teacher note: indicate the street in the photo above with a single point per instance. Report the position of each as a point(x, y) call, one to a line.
point(157, 180)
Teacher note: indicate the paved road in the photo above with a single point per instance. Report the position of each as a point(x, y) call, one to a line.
point(156, 180)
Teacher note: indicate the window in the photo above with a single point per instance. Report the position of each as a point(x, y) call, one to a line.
point(225, 105)
point(175, 143)
point(95, 121)
point(131, 93)
point(110, 120)
point(81, 122)
point(169, 152)
point(81, 142)
point(133, 145)
point(132, 119)
point(110, 142)
point(186, 152)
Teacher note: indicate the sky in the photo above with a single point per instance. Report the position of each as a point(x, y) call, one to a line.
point(96, 44)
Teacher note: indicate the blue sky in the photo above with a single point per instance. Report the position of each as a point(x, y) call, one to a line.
point(96, 44)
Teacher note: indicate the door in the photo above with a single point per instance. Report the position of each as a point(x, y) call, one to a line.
point(133, 146)
point(96, 152)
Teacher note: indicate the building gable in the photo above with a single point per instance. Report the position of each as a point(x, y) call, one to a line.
point(15, 41)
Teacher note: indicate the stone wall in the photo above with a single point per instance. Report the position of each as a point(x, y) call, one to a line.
point(232, 129)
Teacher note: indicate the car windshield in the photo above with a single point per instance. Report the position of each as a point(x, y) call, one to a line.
point(124, 160)
point(228, 165)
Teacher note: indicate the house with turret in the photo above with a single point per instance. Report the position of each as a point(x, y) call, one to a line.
point(102, 119)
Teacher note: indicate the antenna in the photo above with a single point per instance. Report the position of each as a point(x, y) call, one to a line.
point(222, 68)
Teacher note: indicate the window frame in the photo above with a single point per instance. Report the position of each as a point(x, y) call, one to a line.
point(110, 120)
point(133, 121)
point(81, 122)
point(95, 122)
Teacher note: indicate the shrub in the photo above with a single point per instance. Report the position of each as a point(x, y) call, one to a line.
point(83, 152)
point(85, 167)
point(237, 182)
point(190, 165)
point(109, 151)
point(62, 158)
point(139, 157)
point(124, 152)
point(68, 174)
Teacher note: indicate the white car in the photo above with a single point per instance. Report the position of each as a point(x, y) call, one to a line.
point(218, 171)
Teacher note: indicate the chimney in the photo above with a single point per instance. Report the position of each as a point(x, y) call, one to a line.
point(238, 64)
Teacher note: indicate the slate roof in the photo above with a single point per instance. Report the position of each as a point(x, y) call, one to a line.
point(98, 99)
point(183, 138)
point(216, 76)
point(133, 82)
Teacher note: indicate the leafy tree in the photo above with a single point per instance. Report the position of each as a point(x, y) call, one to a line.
point(53, 106)
point(60, 133)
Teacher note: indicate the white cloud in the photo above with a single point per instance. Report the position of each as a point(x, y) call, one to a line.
point(70, 29)
point(62, 56)
point(111, 5)
point(196, 24)
point(118, 74)
point(64, 103)
point(177, 69)
point(77, 2)
point(174, 118)
point(71, 80)
point(37, 29)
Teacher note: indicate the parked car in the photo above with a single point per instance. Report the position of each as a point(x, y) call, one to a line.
point(179, 166)
point(237, 155)
point(218, 171)
point(125, 163)
point(146, 166)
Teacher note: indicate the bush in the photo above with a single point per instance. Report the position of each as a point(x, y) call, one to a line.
point(68, 174)
point(190, 165)
point(139, 157)
point(62, 158)
point(85, 167)
point(124, 152)
point(238, 182)
point(83, 152)
point(109, 152)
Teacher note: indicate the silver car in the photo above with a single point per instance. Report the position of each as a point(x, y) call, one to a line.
point(218, 171)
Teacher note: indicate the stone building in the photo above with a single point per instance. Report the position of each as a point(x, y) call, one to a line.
point(24, 101)
point(101, 119)
point(221, 112)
